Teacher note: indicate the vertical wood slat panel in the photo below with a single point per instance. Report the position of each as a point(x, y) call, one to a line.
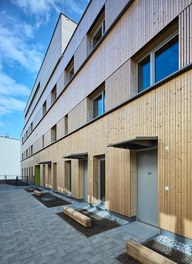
point(185, 36)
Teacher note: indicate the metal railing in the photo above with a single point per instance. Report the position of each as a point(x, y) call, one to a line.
point(6, 178)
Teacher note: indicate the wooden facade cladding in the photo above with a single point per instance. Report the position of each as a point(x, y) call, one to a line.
point(165, 112)
point(185, 34)
point(123, 42)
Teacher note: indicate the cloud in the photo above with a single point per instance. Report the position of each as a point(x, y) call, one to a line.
point(42, 8)
point(16, 48)
point(9, 86)
point(75, 6)
point(10, 104)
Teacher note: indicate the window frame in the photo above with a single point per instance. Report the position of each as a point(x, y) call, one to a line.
point(151, 54)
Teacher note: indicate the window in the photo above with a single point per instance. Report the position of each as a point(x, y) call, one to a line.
point(66, 125)
point(27, 153)
point(53, 94)
point(44, 108)
point(99, 105)
point(31, 127)
point(96, 102)
point(159, 64)
point(32, 150)
point(70, 70)
point(43, 141)
point(97, 30)
point(53, 134)
point(98, 34)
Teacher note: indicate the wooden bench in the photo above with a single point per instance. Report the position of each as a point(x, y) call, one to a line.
point(144, 254)
point(78, 217)
point(37, 193)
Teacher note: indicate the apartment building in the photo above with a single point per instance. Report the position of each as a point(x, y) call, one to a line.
point(109, 119)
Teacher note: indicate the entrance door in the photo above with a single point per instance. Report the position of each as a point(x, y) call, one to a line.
point(68, 176)
point(101, 179)
point(43, 178)
point(55, 176)
point(37, 175)
point(147, 187)
point(85, 181)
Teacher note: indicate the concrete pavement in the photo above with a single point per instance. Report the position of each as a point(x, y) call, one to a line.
point(31, 233)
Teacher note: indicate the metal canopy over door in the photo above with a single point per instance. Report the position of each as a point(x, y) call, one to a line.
point(147, 187)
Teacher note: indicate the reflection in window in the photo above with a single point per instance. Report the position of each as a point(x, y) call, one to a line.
point(159, 64)
point(144, 74)
point(99, 105)
point(167, 59)
point(99, 33)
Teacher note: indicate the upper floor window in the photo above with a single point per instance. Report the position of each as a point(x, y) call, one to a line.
point(96, 102)
point(54, 94)
point(158, 64)
point(31, 149)
point(44, 109)
point(97, 30)
point(43, 141)
point(53, 134)
point(99, 104)
point(70, 69)
point(31, 127)
point(66, 124)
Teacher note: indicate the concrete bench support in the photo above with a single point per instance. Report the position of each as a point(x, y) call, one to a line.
point(144, 254)
point(37, 193)
point(78, 217)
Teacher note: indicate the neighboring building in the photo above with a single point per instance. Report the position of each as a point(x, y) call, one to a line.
point(9, 157)
point(110, 119)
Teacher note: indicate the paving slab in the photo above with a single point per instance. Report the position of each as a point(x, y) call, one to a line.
point(33, 233)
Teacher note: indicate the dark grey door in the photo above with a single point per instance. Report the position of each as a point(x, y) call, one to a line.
point(85, 181)
point(147, 187)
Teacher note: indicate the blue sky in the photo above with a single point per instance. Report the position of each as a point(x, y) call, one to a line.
point(26, 27)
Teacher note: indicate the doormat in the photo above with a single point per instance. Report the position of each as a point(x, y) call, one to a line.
point(31, 189)
point(99, 224)
point(50, 200)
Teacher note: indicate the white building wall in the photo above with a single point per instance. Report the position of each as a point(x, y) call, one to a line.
point(9, 157)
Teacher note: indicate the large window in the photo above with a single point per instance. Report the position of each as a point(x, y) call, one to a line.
point(159, 64)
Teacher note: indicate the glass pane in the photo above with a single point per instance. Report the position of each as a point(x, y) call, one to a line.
point(144, 74)
point(97, 36)
point(97, 106)
point(104, 103)
point(167, 59)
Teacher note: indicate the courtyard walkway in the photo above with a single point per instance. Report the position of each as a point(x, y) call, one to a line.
point(32, 233)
